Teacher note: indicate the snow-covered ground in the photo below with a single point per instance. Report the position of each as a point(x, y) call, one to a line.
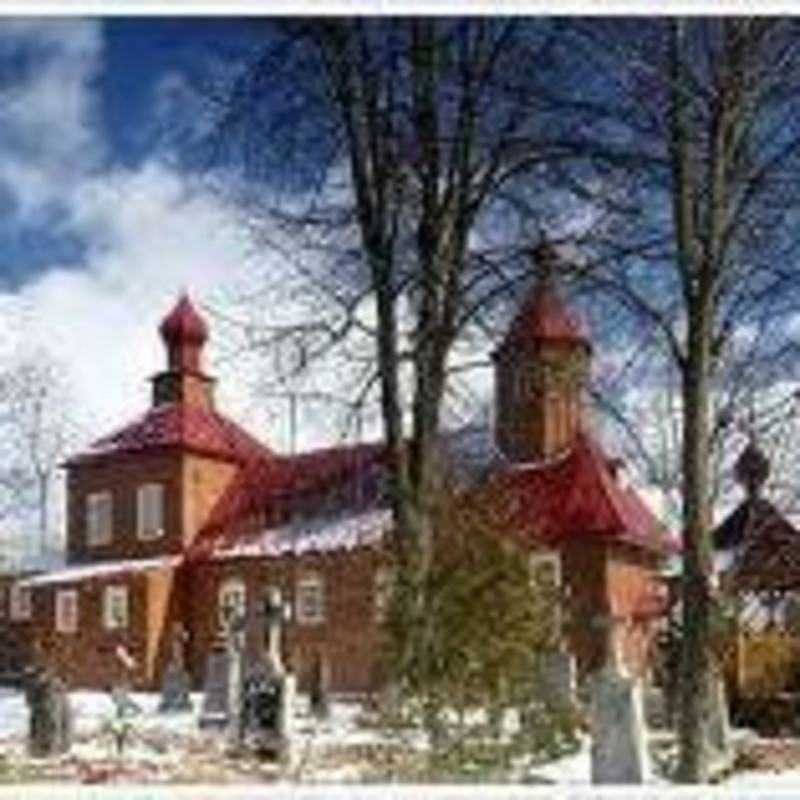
point(170, 748)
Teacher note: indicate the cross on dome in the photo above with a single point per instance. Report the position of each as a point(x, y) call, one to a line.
point(544, 316)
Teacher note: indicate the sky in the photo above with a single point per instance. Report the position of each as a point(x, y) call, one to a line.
point(100, 227)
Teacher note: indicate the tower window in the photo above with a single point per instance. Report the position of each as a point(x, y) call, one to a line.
point(150, 511)
point(99, 518)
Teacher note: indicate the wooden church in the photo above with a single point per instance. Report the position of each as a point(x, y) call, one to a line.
point(182, 514)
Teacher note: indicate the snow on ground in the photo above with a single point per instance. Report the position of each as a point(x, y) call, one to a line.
point(168, 748)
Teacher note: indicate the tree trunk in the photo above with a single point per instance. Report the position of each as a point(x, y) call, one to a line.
point(696, 564)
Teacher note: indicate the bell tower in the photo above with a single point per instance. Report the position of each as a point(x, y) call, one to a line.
point(541, 369)
point(184, 333)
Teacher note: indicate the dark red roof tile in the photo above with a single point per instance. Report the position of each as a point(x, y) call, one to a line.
point(572, 498)
point(275, 490)
point(180, 426)
point(544, 316)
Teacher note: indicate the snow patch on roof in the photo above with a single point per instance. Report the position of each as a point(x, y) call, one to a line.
point(318, 535)
point(82, 572)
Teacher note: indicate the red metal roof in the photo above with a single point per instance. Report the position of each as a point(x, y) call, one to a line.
point(544, 316)
point(184, 323)
point(180, 426)
point(274, 490)
point(573, 498)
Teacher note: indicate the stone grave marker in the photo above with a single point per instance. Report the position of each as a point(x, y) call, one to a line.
point(214, 712)
point(319, 692)
point(717, 724)
point(223, 678)
point(50, 717)
point(619, 749)
point(558, 673)
point(175, 685)
point(268, 696)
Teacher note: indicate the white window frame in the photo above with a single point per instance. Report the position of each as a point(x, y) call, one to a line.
point(20, 603)
point(311, 585)
point(231, 587)
point(149, 511)
point(67, 610)
point(383, 586)
point(99, 518)
point(552, 557)
point(114, 598)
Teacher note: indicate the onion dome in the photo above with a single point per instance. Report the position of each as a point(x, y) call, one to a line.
point(544, 316)
point(752, 468)
point(184, 324)
point(184, 332)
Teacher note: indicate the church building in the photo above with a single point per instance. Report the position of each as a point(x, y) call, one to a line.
point(181, 515)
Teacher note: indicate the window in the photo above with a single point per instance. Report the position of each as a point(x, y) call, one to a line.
point(19, 600)
point(545, 572)
point(232, 600)
point(150, 511)
point(385, 579)
point(99, 518)
point(67, 611)
point(115, 607)
point(310, 600)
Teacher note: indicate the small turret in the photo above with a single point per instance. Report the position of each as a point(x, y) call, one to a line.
point(184, 333)
point(541, 368)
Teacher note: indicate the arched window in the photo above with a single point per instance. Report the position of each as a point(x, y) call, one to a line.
point(231, 600)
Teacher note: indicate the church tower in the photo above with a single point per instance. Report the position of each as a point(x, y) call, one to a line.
point(184, 333)
point(541, 369)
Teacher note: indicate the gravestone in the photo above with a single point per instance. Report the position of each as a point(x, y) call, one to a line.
point(319, 690)
point(50, 716)
point(557, 674)
point(236, 679)
point(619, 750)
point(269, 691)
point(214, 712)
point(717, 724)
point(175, 685)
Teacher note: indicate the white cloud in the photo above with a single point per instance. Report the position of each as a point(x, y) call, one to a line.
point(47, 116)
point(150, 236)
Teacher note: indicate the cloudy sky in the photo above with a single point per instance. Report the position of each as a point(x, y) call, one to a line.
point(99, 228)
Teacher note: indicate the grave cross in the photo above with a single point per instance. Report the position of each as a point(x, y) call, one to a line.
point(275, 613)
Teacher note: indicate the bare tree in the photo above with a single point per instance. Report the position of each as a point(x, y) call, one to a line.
point(37, 423)
point(420, 125)
point(674, 140)
point(691, 166)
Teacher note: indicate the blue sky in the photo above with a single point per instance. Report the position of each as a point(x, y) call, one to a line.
point(100, 227)
point(124, 86)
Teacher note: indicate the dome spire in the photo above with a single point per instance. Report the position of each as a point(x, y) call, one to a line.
point(752, 468)
point(543, 315)
point(184, 333)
